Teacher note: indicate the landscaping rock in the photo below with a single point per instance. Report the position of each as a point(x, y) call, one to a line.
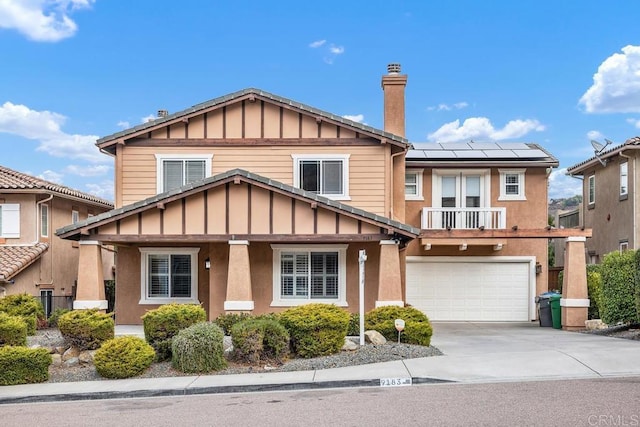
point(349, 345)
point(70, 363)
point(594, 324)
point(374, 337)
point(56, 360)
point(86, 357)
point(70, 353)
point(60, 349)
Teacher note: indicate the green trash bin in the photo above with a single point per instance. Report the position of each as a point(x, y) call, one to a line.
point(556, 312)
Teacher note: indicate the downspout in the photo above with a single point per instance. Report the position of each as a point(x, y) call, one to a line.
point(391, 212)
point(633, 204)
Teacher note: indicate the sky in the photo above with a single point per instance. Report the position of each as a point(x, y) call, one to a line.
point(555, 73)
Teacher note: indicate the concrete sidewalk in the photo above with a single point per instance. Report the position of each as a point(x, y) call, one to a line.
point(474, 353)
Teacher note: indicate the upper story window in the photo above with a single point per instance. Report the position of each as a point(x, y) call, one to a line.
point(10, 220)
point(75, 216)
point(512, 184)
point(44, 220)
point(591, 190)
point(169, 275)
point(624, 178)
point(413, 185)
point(174, 171)
point(326, 175)
point(624, 245)
point(314, 273)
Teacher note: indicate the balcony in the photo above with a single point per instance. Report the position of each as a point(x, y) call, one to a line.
point(463, 218)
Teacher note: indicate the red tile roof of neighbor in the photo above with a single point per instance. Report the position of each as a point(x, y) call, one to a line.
point(14, 259)
point(16, 181)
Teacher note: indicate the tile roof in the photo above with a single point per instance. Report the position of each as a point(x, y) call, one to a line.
point(251, 91)
point(496, 152)
point(634, 141)
point(15, 258)
point(13, 180)
point(251, 177)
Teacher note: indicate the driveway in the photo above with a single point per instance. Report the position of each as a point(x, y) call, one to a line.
point(523, 351)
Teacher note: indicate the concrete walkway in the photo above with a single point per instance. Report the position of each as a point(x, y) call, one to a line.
point(474, 352)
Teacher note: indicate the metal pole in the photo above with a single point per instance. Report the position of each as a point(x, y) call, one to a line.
point(362, 257)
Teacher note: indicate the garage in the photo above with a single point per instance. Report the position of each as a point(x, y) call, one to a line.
point(497, 289)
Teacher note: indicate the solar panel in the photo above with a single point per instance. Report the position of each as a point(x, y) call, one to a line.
point(531, 153)
point(513, 145)
point(470, 154)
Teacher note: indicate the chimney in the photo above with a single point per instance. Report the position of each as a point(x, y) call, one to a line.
point(162, 113)
point(393, 85)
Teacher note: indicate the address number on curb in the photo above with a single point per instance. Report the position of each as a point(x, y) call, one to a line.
point(394, 382)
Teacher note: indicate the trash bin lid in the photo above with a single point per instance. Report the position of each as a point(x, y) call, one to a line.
point(555, 297)
point(549, 295)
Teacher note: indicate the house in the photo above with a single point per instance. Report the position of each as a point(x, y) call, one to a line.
point(32, 258)
point(255, 202)
point(565, 218)
point(609, 199)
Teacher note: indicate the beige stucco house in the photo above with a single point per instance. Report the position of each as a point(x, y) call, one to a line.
point(255, 202)
point(32, 258)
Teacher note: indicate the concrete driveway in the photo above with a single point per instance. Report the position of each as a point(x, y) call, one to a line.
point(516, 351)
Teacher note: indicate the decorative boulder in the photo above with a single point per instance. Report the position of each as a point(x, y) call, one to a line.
point(374, 337)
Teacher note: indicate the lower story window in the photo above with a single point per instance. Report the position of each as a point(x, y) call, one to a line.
point(169, 275)
point(309, 274)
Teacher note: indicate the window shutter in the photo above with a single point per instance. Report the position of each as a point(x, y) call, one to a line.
point(10, 221)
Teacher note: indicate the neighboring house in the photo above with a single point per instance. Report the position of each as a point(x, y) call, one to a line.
point(254, 202)
point(570, 218)
point(32, 258)
point(609, 199)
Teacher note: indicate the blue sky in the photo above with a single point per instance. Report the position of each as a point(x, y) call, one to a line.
point(557, 73)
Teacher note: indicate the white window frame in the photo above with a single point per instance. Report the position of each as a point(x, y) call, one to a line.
point(278, 249)
point(521, 184)
point(44, 220)
point(161, 158)
point(436, 185)
point(75, 216)
point(418, 185)
point(10, 220)
point(624, 178)
point(591, 183)
point(320, 157)
point(144, 282)
point(623, 246)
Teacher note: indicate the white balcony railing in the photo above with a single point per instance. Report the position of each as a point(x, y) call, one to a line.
point(463, 218)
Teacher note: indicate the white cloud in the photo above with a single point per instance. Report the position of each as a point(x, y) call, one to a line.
point(123, 124)
point(148, 118)
point(52, 176)
point(317, 44)
point(594, 134)
point(616, 85)
point(481, 128)
point(634, 122)
point(562, 185)
point(41, 20)
point(45, 127)
point(446, 107)
point(104, 189)
point(336, 50)
point(356, 118)
point(85, 171)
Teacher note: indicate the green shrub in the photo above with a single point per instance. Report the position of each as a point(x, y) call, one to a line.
point(594, 287)
point(26, 306)
point(417, 328)
point(123, 357)
point(618, 288)
point(354, 324)
point(259, 339)
point(160, 325)
point(55, 315)
point(637, 282)
point(316, 329)
point(227, 320)
point(22, 365)
point(13, 330)
point(198, 349)
point(86, 329)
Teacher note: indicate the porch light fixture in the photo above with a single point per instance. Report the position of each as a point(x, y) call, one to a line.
point(207, 264)
point(538, 268)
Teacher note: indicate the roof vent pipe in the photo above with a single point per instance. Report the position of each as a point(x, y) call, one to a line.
point(163, 113)
point(393, 68)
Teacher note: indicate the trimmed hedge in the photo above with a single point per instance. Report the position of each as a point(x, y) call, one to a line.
point(22, 365)
point(26, 306)
point(618, 271)
point(417, 329)
point(198, 349)
point(259, 339)
point(55, 315)
point(594, 287)
point(227, 320)
point(163, 323)
point(316, 329)
point(86, 329)
point(123, 357)
point(13, 330)
point(354, 324)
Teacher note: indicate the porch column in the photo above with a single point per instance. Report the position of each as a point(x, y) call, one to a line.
point(239, 294)
point(575, 297)
point(90, 287)
point(389, 280)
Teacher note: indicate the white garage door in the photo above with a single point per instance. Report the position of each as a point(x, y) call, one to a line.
point(471, 291)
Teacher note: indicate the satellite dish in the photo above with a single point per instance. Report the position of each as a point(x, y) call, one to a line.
point(599, 148)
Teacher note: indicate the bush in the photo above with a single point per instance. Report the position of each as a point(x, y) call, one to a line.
point(260, 339)
point(618, 288)
point(26, 306)
point(199, 349)
point(354, 325)
point(55, 315)
point(417, 328)
point(316, 329)
point(13, 330)
point(227, 320)
point(160, 325)
point(86, 329)
point(22, 365)
point(594, 287)
point(123, 357)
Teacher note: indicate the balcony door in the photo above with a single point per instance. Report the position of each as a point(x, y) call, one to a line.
point(461, 192)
